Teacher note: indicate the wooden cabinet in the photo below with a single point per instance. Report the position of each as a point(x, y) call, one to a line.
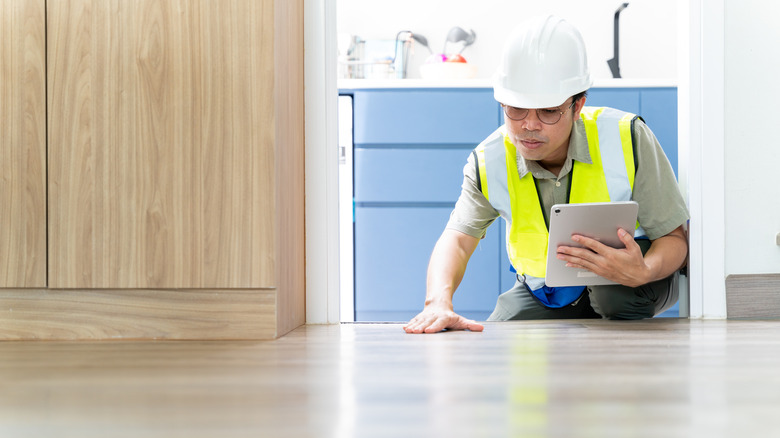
point(175, 166)
point(22, 144)
point(159, 166)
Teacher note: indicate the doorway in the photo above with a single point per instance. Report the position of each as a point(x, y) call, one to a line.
point(702, 191)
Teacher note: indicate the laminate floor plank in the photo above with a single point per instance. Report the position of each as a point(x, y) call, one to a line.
point(654, 378)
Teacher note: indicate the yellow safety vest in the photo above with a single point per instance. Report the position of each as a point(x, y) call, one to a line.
point(610, 177)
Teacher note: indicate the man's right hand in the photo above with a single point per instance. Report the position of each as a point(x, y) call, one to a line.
point(445, 271)
point(436, 319)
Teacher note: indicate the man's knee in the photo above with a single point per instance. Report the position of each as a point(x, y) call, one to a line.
point(623, 302)
point(619, 302)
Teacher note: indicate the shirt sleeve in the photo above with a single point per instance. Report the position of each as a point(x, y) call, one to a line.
point(472, 214)
point(661, 206)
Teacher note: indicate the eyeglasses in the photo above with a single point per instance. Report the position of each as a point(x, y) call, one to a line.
point(548, 116)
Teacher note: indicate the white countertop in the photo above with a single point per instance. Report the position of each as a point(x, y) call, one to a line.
point(487, 83)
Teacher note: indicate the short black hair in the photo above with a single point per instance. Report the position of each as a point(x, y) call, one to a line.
point(579, 96)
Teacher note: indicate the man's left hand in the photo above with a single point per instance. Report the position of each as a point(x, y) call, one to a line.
point(622, 265)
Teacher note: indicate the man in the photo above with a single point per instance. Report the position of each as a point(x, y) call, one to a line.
point(562, 152)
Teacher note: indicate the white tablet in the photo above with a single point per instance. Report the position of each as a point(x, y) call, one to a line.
point(599, 221)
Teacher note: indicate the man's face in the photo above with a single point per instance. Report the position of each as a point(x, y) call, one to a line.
point(543, 142)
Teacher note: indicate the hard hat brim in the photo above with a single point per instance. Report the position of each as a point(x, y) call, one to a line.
point(526, 100)
point(537, 100)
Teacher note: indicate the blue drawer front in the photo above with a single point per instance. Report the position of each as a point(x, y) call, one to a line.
point(409, 175)
point(657, 106)
point(625, 99)
point(424, 117)
point(392, 248)
point(659, 110)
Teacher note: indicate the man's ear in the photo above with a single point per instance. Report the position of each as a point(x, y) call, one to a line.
point(578, 107)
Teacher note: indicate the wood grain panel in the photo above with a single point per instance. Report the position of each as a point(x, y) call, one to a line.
point(34, 314)
point(289, 101)
point(22, 144)
point(161, 160)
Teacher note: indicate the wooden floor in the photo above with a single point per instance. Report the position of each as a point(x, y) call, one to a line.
point(657, 378)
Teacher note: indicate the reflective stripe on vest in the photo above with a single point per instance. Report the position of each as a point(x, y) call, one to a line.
point(610, 177)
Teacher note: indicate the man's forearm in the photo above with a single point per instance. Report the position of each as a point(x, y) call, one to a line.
point(447, 266)
point(667, 254)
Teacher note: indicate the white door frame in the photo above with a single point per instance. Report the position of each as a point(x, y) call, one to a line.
point(321, 165)
point(701, 112)
point(701, 115)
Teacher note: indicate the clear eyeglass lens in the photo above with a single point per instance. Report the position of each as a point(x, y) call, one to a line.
point(549, 116)
point(516, 113)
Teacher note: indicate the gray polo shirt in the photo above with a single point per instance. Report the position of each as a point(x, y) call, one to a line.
point(661, 206)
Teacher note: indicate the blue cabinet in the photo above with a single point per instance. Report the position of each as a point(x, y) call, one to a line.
point(414, 117)
point(410, 146)
point(659, 110)
point(392, 248)
point(656, 106)
point(626, 99)
point(409, 174)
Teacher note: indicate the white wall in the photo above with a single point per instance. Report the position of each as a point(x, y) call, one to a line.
point(648, 29)
point(752, 155)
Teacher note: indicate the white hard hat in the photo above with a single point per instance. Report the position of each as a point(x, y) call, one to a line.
point(543, 63)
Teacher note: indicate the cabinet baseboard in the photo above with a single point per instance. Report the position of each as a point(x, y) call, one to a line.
point(754, 296)
point(70, 314)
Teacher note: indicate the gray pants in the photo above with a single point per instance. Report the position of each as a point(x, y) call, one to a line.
point(608, 302)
